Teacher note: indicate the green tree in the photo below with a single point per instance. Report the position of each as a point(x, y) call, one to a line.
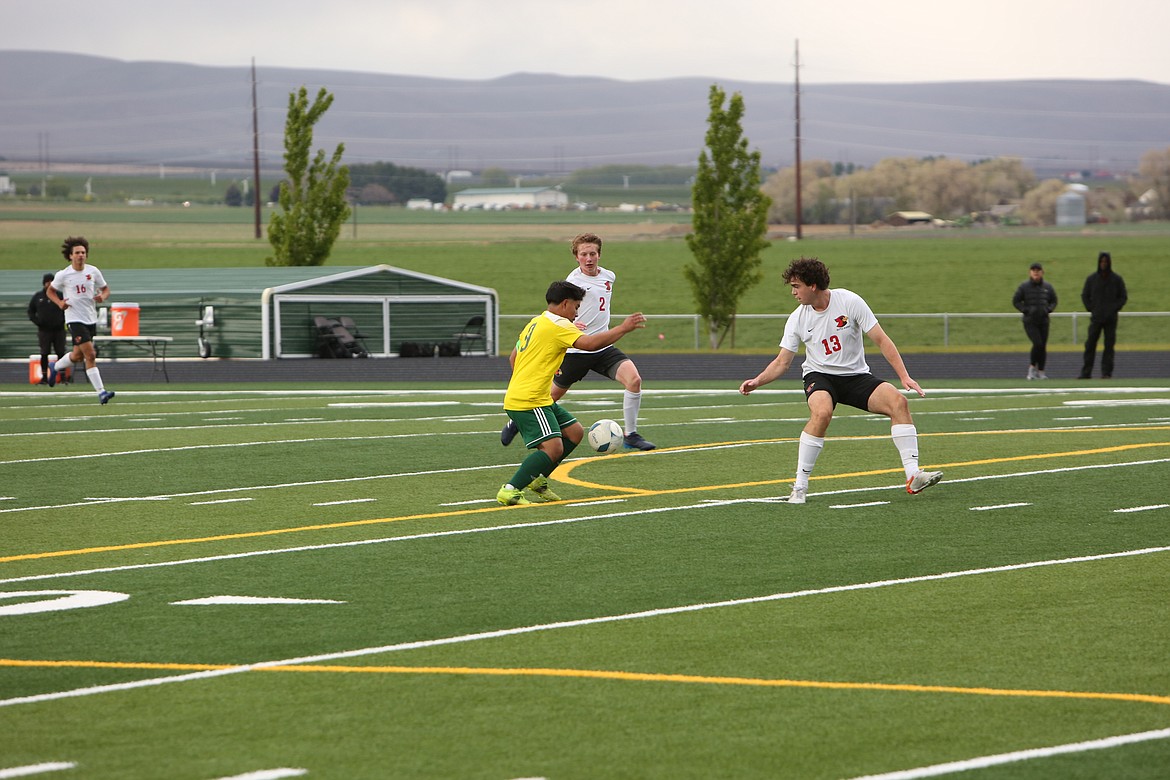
point(402, 182)
point(730, 219)
point(312, 198)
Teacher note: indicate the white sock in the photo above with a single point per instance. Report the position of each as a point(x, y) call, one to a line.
point(806, 457)
point(64, 363)
point(906, 440)
point(631, 403)
point(95, 379)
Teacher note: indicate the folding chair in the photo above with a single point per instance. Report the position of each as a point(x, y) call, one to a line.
point(473, 331)
point(351, 326)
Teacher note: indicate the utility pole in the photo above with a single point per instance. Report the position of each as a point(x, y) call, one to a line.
point(256, 191)
point(799, 206)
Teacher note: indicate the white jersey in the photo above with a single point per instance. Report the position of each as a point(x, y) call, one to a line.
point(77, 288)
point(595, 308)
point(833, 338)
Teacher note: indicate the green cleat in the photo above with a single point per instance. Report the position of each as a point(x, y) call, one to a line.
point(510, 496)
point(541, 491)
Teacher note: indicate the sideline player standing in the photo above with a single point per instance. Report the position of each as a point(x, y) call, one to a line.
point(830, 323)
point(549, 431)
point(597, 282)
point(77, 290)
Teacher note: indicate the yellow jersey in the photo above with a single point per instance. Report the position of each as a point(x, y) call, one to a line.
point(539, 352)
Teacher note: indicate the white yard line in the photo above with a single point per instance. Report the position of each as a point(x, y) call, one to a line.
point(35, 769)
point(982, 762)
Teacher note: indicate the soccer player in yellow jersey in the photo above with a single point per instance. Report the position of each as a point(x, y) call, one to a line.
point(549, 431)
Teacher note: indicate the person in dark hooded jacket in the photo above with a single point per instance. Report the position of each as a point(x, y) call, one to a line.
point(1103, 295)
point(1036, 299)
point(50, 322)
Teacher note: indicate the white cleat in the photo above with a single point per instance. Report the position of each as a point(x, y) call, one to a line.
point(922, 480)
point(798, 495)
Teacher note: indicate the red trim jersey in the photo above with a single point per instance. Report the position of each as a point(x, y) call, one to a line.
point(832, 338)
point(598, 302)
point(77, 288)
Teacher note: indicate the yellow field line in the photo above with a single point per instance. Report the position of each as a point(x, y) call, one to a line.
point(600, 674)
point(562, 474)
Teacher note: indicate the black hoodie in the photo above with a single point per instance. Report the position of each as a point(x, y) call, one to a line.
point(1104, 293)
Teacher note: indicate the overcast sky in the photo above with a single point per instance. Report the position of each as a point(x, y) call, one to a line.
point(752, 40)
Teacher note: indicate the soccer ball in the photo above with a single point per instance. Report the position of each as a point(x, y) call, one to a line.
point(605, 436)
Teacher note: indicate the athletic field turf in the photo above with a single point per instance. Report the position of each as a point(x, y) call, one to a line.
point(243, 582)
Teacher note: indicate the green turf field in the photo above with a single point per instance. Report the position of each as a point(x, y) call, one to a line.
point(284, 581)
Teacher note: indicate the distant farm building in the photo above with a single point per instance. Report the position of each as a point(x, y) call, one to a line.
point(902, 218)
point(510, 198)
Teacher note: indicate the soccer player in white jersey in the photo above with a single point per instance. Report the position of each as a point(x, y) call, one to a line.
point(830, 324)
point(77, 290)
point(597, 282)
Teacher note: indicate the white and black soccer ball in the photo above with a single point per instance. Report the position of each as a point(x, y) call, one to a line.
point(605, 436)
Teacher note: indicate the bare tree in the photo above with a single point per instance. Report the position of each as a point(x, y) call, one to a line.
point(1154, 172)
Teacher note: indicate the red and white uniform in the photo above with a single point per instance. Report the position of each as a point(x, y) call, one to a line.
point(77, 289)
point(595, 308)
point(833, 338)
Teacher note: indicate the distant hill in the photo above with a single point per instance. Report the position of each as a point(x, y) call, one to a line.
point(68, 107)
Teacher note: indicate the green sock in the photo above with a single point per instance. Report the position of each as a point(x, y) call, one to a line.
point(534, 465)
point(569, 446)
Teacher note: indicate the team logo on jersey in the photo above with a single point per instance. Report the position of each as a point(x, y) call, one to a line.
point(608, 286)
point(88, 277)
point(842, 321)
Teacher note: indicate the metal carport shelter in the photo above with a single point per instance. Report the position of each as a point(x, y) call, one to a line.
point(268, 312)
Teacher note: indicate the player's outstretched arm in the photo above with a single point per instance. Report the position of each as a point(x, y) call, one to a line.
point(773, 371)
point(890, 352)
point(595, 341)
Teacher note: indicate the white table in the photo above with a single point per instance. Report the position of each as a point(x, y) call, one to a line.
point(155, 346)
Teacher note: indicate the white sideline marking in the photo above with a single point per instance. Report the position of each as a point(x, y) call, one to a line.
point(506, 632)
point(220, 501)
point(35, 769)
point(66, 599)
point(346, 501)
point(248, 600)
point(1020, 755)
point(1120, 402)
point(1141, 508)
point(999, 506)
point(858, 506)
point(390, 404)
point(268, 774)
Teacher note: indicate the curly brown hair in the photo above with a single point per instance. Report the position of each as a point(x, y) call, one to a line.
point(809, 270)
point(72, 241)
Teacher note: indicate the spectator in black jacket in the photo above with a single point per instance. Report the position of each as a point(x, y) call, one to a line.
point(1103, 295)
point(50, 322)
point(1036, 299)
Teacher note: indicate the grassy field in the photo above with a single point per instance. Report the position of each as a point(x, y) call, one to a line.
point(517, 253)
point(279, 582)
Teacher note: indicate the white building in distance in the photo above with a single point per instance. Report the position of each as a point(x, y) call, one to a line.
point(506, 198)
